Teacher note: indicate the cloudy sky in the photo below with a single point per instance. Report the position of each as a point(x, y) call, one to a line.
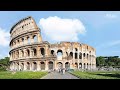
point(100, 29)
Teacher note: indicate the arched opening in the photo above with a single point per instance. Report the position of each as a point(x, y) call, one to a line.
point(28, 66)
point(76, 56)
point(87, 66)
point(59, 55)
point(84, 65)
point(76, 49)
point(23, 40)
point(42, 51)
point(34, 66)
point(50, 65)
point(80, 55)
point(60, 65)
point(28, 52)
point(67, 65)
point(84, 55)
point(35, 38)
point(76, 65)
point(28, 40)
point(22, 66)
point(87, 56)
point(80, 65)
point(52, 52)
point(42, 66)
point(35, 52)
point(70, 56)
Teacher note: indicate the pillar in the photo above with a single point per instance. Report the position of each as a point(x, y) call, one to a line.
point(46, 65)
point(46, 50)
point(38, 66)
point(31, 39)
point(25, 65)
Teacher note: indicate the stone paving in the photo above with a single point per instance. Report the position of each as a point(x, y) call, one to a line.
point(56, 75)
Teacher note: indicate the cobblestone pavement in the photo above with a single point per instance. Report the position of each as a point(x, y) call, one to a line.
point(56, 75)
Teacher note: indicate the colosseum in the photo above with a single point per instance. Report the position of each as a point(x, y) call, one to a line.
point(28, 52)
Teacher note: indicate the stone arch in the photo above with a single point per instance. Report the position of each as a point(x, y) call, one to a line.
point(80, 65)
point(87, 66)
point(76, 65)
point(80, 55)
point(35, 38)
point(42, 64)
point(28, 66)
point(59, 54)
point(84, 66)
point(67, 65)
point(42, 50)
point(28, 39)
point(34, 66)
point(76, 54)
point(34, 52)
point(52, 52)
point(50, 65)
point(76, 49)
point(84, 55)
point(28, 52)
point(70, 56)
point(60, 65)
point(23, 40)
point(87, 55)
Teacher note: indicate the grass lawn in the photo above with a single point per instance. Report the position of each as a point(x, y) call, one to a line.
point(21, 75)
point(97, 74)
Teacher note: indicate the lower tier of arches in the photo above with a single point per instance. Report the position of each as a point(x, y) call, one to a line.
point(49, 65)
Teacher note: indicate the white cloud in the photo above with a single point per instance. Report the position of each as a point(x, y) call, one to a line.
point(4, 37)
point(58, 29)
point(111, 16)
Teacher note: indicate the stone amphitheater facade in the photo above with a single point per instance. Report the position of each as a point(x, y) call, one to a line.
point(30, 53)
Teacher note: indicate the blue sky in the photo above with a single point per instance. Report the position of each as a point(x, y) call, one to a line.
point(100, 29)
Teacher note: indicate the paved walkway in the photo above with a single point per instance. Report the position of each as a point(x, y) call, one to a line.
point(56, 75)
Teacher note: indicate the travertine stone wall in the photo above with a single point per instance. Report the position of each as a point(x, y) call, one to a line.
point(30, 52)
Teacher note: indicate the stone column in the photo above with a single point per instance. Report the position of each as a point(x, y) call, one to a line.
point(25, 40)
point(38, 66)
point(46, 50)
point(38, 52)
point(54, 63)
point(25, 65)
point(25, 52)
point(30, 66)
point(31, 39)
point(46, 65)
point(63, 64)
point(31, 53)
point(39, 37)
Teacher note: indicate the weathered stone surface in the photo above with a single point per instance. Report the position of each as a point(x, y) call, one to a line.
point(30, 52)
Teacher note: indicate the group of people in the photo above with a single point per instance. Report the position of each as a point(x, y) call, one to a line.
point(61, 70)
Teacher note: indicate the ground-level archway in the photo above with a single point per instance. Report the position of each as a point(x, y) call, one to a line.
point(67, 65)
point(59, 65)
point(28, 66)
point(50, 65)
point(42, 66)
point(34, 66)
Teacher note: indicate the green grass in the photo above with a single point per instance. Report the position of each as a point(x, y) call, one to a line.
point(21, 75)
point(97, 74)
